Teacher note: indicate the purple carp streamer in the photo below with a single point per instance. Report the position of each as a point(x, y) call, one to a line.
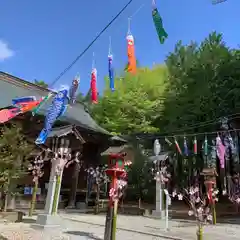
point(73, 90)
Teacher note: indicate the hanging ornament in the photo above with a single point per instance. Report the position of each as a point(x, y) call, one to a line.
point(56, 109)
point(236, 150)
point(8, 114)
point(168, 141)
point(44, 100)
point(162, 35)
point(132, 63)
point(177, 146)
point(110, 67)
point(185, 147)
point(195, 145)
point(94, 93)
point(73, 90)
point(205, 146)
point(220, 151)
point(213, 155)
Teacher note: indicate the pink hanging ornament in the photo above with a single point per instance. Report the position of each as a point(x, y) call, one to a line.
point(220, 151)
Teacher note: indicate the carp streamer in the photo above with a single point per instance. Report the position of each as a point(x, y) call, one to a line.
point(162, 35)
point(94, 94)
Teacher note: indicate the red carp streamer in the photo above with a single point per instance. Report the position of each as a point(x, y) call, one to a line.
point(94, 93)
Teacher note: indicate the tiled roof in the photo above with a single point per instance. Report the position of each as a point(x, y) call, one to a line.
point(12, 87)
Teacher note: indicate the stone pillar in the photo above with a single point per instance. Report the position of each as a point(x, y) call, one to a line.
point(47, 220)
point(159, 209)
point(51, 189)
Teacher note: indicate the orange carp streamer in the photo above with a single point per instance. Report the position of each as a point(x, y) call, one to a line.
point(132, 63)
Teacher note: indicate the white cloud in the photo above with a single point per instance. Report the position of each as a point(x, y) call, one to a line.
point(5, 51)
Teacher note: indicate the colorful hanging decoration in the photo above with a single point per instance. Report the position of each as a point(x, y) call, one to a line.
point(220, 151)
point(195, 145)
point(8, 114)
point(168, 141)
point(110, 72)
point(132, 62)
point(110, 67)
point(44, 100)
point(94, 93)
point(162, 35)
point(26, 107)
point(185, 147)
point(21, 105)
point(177, 146)
point(213, 155)
point(18, 101)
point(73, 90)
point(235, 152)
point(205, 146)
point(56, 109)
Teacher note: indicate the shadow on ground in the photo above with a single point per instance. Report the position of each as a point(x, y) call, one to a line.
point(28, 220)
point(3, 238)
point(227, 219)
point(83, 234)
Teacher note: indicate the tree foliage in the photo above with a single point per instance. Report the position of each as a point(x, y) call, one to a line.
point(135, 104)
point(41, 83)
point(14, 153)
point(203, 83)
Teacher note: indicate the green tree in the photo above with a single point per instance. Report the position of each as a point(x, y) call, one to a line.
point(203, 83)
point(41, 83)
point(14, 153)
point(135, 104)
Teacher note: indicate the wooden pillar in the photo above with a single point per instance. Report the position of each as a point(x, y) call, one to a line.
point(73, 190)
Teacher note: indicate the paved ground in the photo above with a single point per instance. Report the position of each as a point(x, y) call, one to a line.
point(82, 226)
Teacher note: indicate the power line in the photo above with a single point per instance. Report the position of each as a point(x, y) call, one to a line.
point(201, 133)
point(91, 43)
point(203, 124)
point(207, 123)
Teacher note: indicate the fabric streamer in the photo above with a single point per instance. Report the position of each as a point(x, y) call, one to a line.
point(195, 145)
point(236, 152)
point(177, 146)
point(162, 35)
point(44, 100)
point(220, 151)
point(185, 147)
point(205, 146)
point(94, 94)
point(213, 155)
point(73, 90)
point(168, 141)
point(8, 114)
point(17, 101)
point(110, 72)
point(21, 105)
point(26, 107)
point(56, 109)
point(132, 62)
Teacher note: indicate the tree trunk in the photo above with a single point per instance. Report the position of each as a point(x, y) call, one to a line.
point(5, 202)
point(6, 199)
point(34, 195)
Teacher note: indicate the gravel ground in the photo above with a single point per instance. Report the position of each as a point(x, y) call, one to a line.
point(81, 226)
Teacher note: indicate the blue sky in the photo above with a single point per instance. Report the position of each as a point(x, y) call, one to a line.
point(38, 39)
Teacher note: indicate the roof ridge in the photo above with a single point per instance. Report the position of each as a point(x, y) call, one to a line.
point(23, 83)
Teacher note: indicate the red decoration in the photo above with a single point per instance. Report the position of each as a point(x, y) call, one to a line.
point(94, 93)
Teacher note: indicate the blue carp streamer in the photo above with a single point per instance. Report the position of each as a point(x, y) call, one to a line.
point(56, 109)
point(111, 72)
